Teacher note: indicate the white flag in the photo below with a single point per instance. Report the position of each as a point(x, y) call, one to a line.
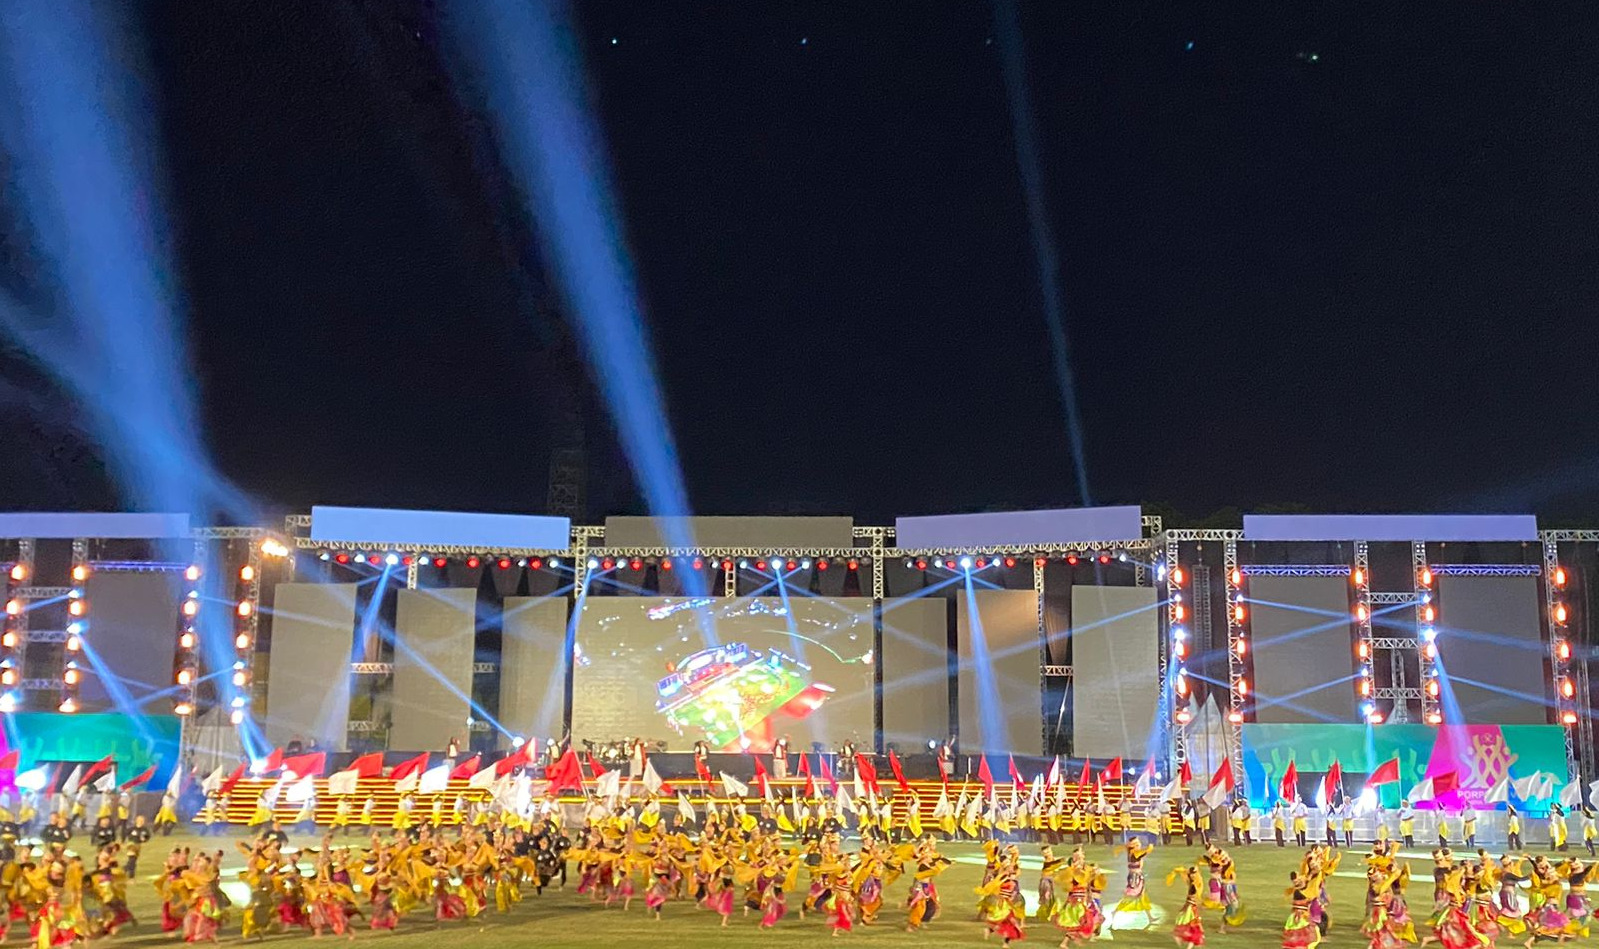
point(974, 807)
point(1036, 795)
point(609, 784)
point(941, 809)
point(482, 780)
point(1499, 793)
point(1172, 791)
point(960, 806)
point(1593, 791)
point(1216, 796)
point(301, 791)
point(270, 795)
point(434, 780)
point(860, 786)
point(175, 782)
point(652, 781)
point(343, 783)
point(106, 782)
point(213, 781)
point(1421, 792)
point(74, 781)
point(1571, 795)
point(1145, 783)
point(843, 802)
point(684, 808)
point(733, 787)
point(1054, 771)
point(407, 784)
point(1527, 788)
point(307, 812)
point(1546, 785)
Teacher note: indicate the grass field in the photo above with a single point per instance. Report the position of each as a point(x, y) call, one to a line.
point(562, 918)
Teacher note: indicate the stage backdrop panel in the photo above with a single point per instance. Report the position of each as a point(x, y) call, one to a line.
point(434, 629)
point(533, 666)
point(1304, 653)
point(308, 667)
point(916, 664)
point(1492, 649)
point(134, 618)
point(1115, 671)
point(738, 672)
point(999, 682)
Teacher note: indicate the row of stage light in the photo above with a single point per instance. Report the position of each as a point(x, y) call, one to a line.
point(773, 562)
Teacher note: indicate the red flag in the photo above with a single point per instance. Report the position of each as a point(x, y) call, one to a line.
point(762, 779)
point(466, 768)
point(232, 780)
point(1185, 777)
point(1444, 783)
point(805, 772)
point(1015, 776)
point(1333, 781)
point(367, 766)
point(1112, 772)
point(1386, 773)
point(868, 773)
point(1085, 780)
point(10, 761)
point(827, 773)
point(899, 774)
point(702, 769)
point(595, 768)
point(566, 772)
point(302, 765)
point(138, 779)
point(1288, 789)
point(519, 758)
point(98, 768)
point(943, 770)
point(984, 775)
point(405, 769)
point(1223, 775)
point(274, 761)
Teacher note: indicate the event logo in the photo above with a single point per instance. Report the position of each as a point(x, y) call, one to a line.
point(1478, 755)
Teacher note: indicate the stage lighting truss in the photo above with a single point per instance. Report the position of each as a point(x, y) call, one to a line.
point(1175, 699)
point(1365, 647)
point(246, 625)
point(186, 647)
point(73, 664)
point(1566, 674)
point(1238, 652)
point(1427, 638)
point(14, 637)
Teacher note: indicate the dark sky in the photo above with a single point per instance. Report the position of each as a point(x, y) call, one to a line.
point(1331, 253)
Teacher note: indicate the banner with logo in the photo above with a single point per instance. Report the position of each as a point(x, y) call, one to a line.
point(136, 742)
point(1478, 756)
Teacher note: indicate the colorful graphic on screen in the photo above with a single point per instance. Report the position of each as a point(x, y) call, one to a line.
point(738, 674)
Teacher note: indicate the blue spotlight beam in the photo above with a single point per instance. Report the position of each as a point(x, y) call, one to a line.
point(525, 61)
point(1045, 253)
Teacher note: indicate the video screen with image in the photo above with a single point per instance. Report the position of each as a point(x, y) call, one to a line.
point(738, 673)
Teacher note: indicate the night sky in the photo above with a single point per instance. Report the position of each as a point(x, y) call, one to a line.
point(1343, 255)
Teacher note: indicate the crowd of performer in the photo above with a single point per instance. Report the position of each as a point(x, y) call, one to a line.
point(753, 863)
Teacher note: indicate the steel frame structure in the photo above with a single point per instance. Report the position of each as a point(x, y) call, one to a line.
point(1237, 646)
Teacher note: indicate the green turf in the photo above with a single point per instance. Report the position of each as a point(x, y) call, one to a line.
point(562, 918)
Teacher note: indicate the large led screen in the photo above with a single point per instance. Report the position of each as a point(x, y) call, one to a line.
point(738, 673)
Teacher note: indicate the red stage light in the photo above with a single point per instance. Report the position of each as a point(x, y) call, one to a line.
point(1436, 718)
point(921, 564)
point(821, 563)
point(727, 565)
point(1560, 613)
point(374, 560)
point(607, 564)
point(791, 565)
point(1559, 577)
point(635, 564)
point(1425, 576)
point(536, 563)
point(699, 563)
point(981, 563)
point(760, 565)
point(949, 565)
point(1563, 650)
point(853, 564)
point(473, 562)
point(504, 563)
point(1567, 689)
point(1177, 575)
point(1358, 575)
point(1104, 558)
point(407, 560)
point(666, 563)
point(1070, 559)
point(342, 557)
point(1235, 717)
point(1010, 562)
point(1568, 718)
point(1237, 577)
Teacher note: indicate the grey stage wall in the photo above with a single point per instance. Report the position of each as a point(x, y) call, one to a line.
point(1006, 634)
point(435, 627)
point(533, 667)
point(1304, 653)
point(915, 663)
point(1115, 670)
point(771, 533)
point(308, 667)
point(1489, 633)
point(133, 627)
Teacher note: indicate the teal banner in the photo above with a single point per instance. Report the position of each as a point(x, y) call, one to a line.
point(1476, 756)
point(136, 743)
